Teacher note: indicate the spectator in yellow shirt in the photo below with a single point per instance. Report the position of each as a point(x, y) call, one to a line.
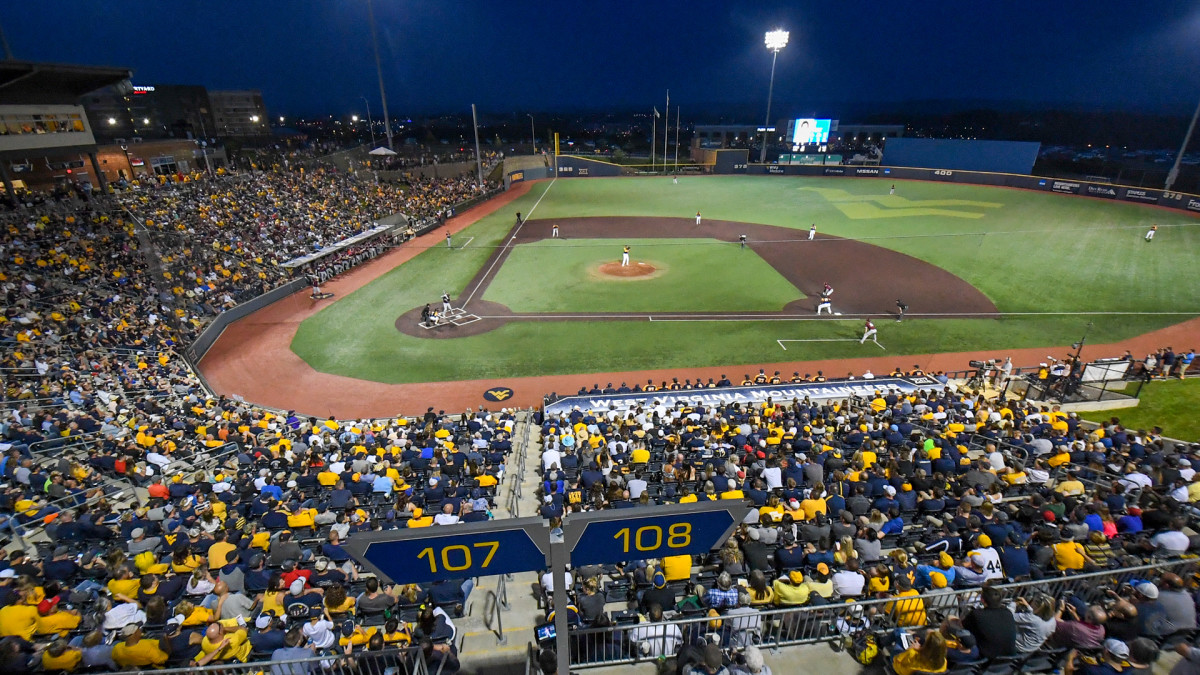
point(221, 644)
point(60, 657)
point(136, 652)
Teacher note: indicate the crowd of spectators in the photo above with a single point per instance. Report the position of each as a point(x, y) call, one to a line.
point(243, 502)
point(898, 498)
point(237, 553)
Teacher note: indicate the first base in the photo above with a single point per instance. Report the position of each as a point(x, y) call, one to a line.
point(837, 313)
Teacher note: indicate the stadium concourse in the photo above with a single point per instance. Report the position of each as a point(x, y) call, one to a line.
point(150, 524)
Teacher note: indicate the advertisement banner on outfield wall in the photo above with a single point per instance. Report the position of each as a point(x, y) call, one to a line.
point(1140, 195)
point(815, 391)
point(1106, 191)
point(1064, 187)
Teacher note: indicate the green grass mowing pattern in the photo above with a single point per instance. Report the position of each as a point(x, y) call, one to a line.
point(376, 351)
point(1036, 252)
point(1057, 267)
point(698, 275)
point(1171, 405)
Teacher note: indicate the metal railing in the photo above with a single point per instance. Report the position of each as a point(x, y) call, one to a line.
point(621, 644)
point(493, 604)
point(406, 661)
point(64, 443)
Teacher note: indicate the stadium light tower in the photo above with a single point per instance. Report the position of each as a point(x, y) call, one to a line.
point(1174, 173)
point(775, 40)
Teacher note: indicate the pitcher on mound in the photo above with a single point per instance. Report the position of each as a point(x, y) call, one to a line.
point(625, 257)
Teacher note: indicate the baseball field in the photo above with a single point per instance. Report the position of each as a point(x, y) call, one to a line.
point(979, 268)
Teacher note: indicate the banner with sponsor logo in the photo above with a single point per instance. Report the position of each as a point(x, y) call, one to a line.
point(1193, 204)
point(1139, 195)
point(866, 171)
point(834, 171)
point(1102, 191)
point(816, 391)
point(1065, 186)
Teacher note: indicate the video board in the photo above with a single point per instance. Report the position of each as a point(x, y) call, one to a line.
point(807, 130)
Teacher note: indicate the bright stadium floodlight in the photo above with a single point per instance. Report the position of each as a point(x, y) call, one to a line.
point(775, 40)
point(354, 118)
point(112, 121)
point(254, 118)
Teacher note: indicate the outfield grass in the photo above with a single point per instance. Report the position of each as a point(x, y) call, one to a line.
point(1171, 404)
point(697, 275)
point(1033, 253)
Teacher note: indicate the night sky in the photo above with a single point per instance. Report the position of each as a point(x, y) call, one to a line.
point(314, 56)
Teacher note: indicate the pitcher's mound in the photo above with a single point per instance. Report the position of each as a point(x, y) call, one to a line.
point(634, 271)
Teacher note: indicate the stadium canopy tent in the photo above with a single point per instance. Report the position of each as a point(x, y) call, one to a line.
point(382, 152)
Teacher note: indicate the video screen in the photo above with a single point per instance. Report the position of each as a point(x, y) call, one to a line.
point(808, 130)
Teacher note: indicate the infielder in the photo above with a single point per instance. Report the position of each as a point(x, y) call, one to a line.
point(812, 232)
point(903, 308)
point(446, 303)
point(868, 332)
point(625, 257)
point(697, 217)
point(826, 304)
point(1150, 232)
point(554, 231)
point(828, 289)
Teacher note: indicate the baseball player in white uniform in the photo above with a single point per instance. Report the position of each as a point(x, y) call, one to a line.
point(625, 257)
point(825, 304)
point(1150, 232)
point(697, 217)
point(812, 232)
point(446, 303)
point(554, 231)
point(868, 332)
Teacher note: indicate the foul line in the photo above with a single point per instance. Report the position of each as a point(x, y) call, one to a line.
point(511, 237)
point(824, 317)
point(828, 340)
point(467, 242)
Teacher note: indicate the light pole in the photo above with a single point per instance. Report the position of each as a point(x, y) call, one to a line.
point(1174, 173)
point(370, 124)
point(387, 123)
point(775, 40)
point(532, 135)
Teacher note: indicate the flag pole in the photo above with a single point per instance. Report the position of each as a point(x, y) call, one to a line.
point(666, 129)
point(653, 138)
point(676, 139)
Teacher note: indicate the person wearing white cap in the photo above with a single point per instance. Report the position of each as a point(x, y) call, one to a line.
point(1114, 660)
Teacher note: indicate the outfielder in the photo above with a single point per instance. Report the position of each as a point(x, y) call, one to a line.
point(903, 308)
point(1150, 232)
point(812, 232)
point(825, 304)
point(625, 257)
point(868, 332)
point(448, 244)
point(446, 303)
point(893, 191)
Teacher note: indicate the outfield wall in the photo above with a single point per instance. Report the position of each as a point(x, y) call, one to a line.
point(1140, 195)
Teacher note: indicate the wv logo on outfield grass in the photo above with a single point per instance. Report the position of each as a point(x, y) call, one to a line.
point(863, 207)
